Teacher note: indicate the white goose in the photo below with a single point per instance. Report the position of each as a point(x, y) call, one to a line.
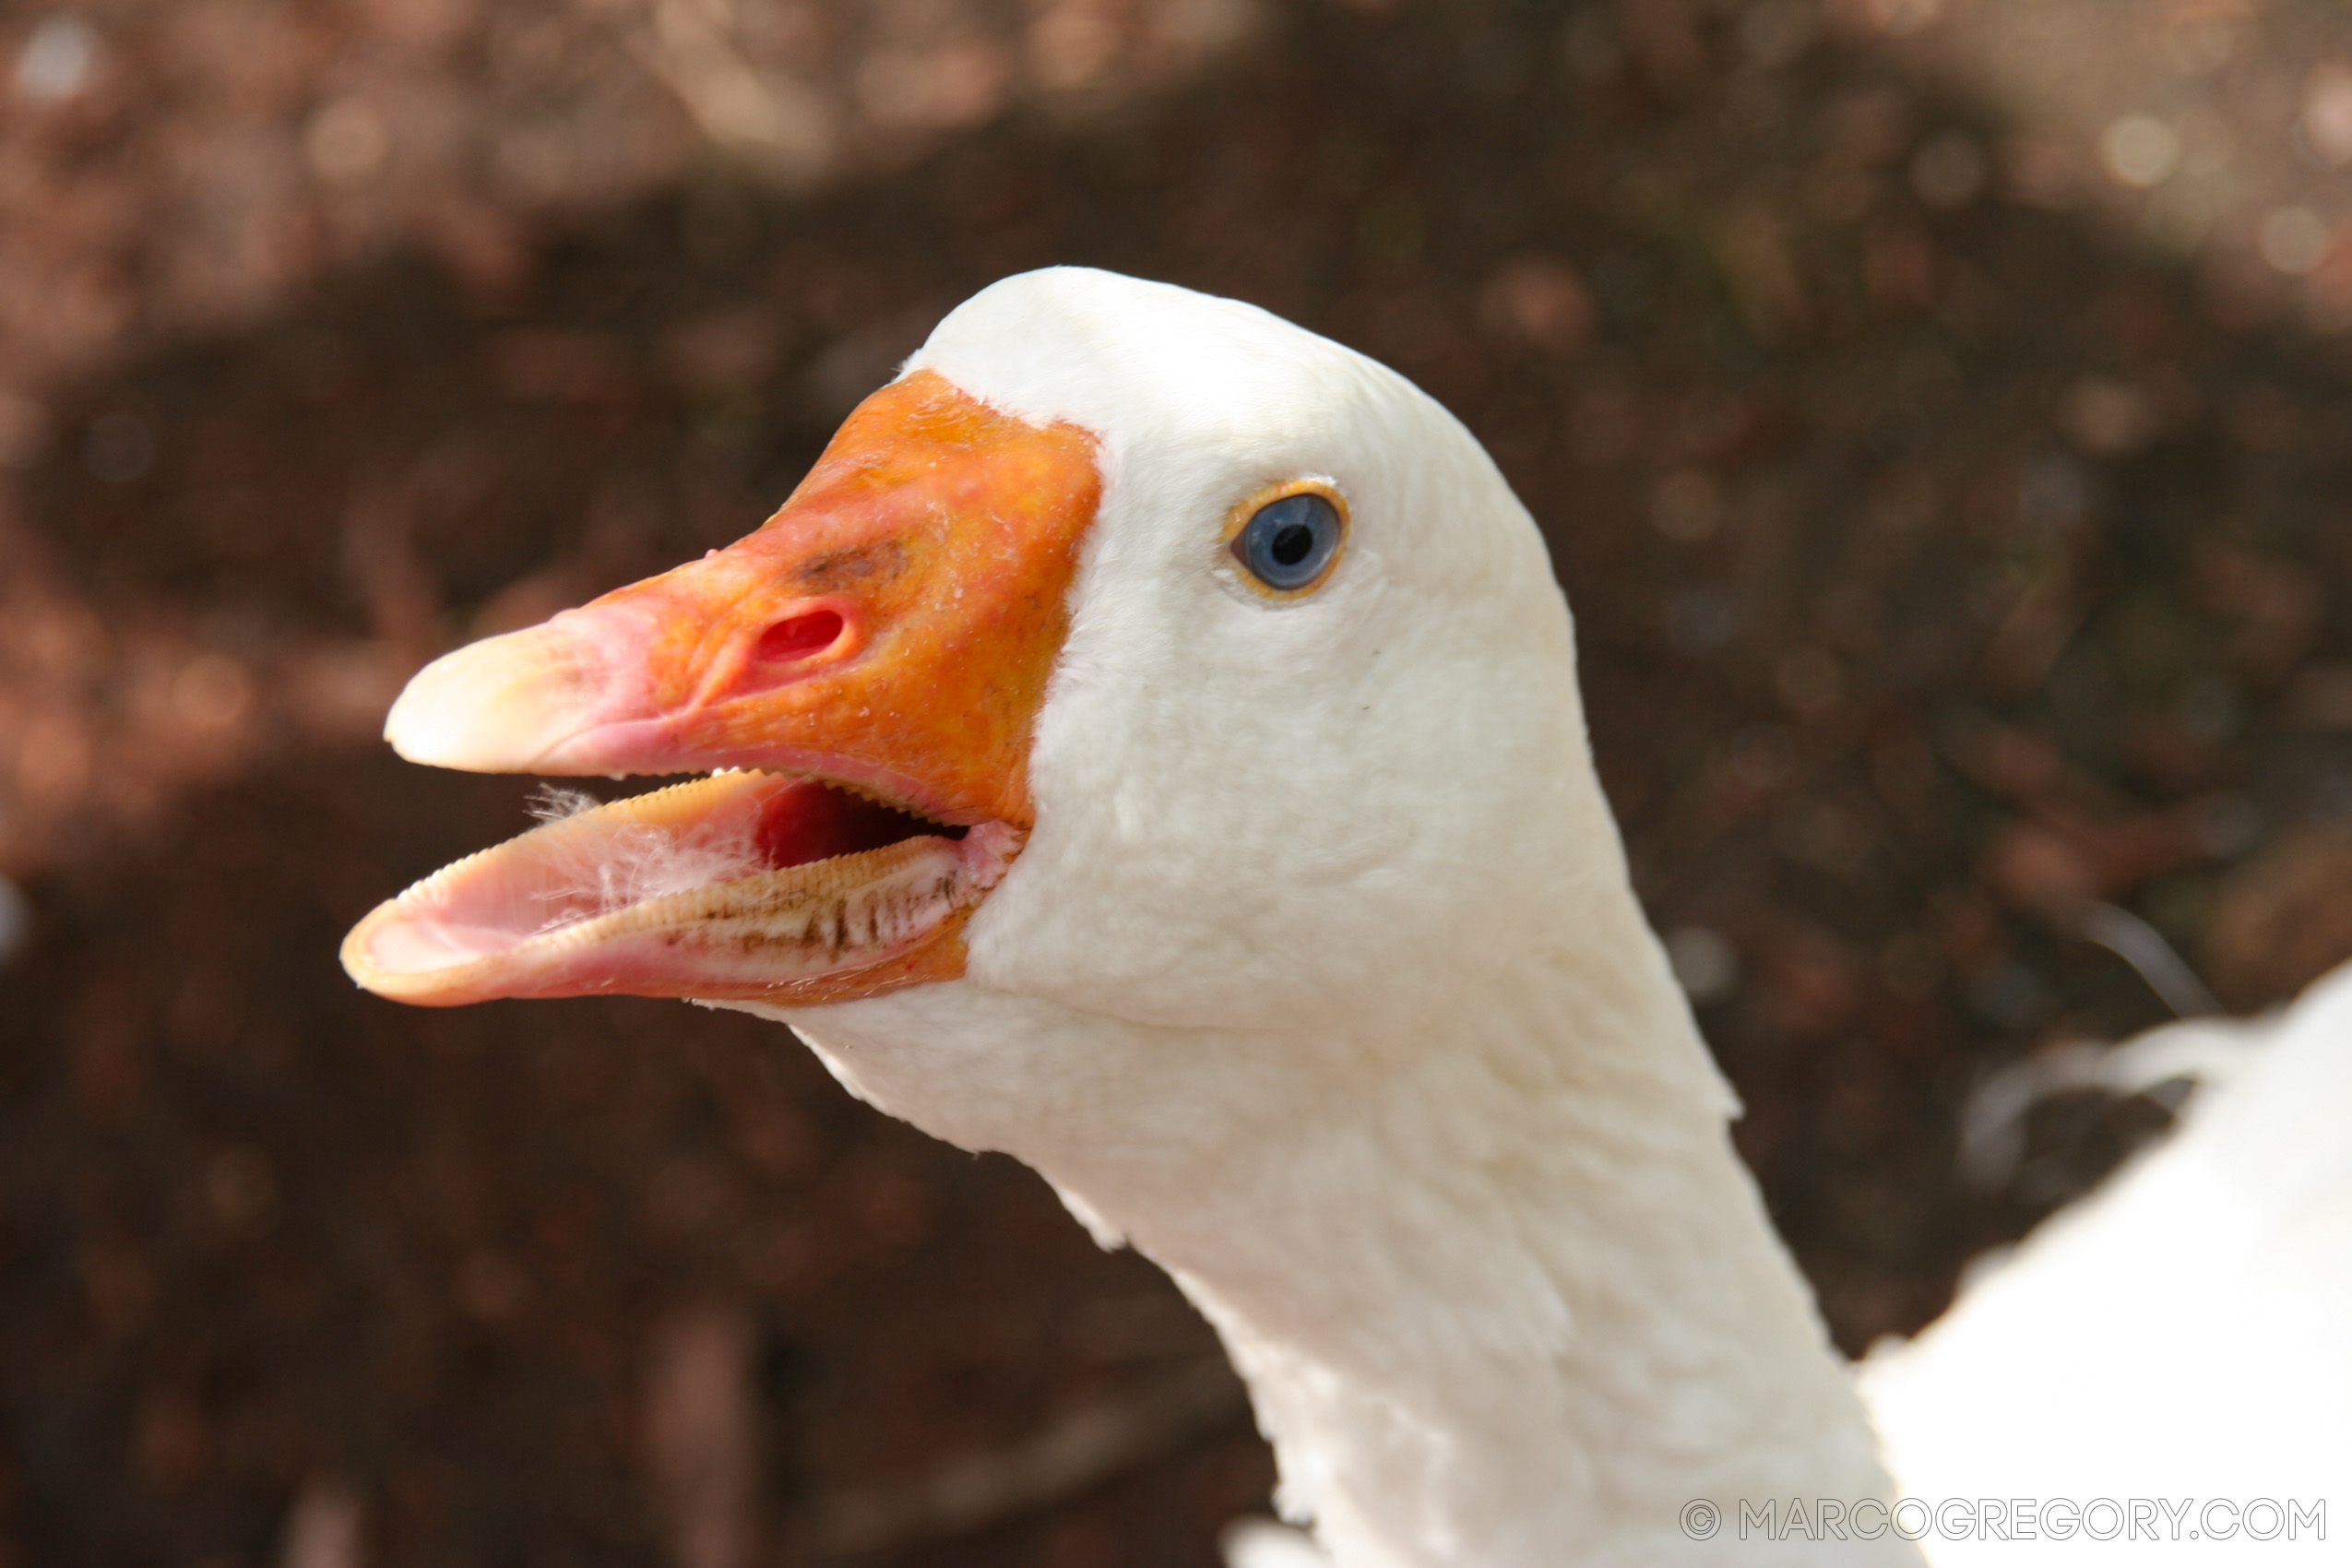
point(1283, 926)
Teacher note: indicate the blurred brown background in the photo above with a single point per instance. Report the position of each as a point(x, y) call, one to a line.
point(1939, 410)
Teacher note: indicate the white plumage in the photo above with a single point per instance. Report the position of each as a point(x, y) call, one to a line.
point(2181, 1336)
point(1320, 981)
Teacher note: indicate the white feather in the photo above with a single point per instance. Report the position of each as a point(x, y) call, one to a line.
point(1321, 980)
point(632, 864)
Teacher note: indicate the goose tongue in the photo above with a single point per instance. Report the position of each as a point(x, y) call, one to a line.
point(882, 642)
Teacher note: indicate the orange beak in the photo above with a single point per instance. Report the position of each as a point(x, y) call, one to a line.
point(877, 652)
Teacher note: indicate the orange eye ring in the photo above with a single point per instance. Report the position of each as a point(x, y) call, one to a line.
point(1285, 553)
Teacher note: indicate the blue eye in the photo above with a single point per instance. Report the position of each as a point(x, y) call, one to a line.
point(1288, 542)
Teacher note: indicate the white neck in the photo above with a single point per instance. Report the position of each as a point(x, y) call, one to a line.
point(1502, 1290)
point(1547, 1311)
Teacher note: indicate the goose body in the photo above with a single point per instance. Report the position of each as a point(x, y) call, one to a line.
point(1277, 919)
point(2180, 1340)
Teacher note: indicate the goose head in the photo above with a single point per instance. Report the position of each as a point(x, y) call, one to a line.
point(1147, 744)
point(1137, 662)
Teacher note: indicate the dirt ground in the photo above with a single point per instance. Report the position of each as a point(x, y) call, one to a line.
point(1946, 457)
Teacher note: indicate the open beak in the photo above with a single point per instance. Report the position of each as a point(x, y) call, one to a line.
point(864, 673)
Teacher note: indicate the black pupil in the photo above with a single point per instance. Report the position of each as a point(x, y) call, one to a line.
point(1291, 543)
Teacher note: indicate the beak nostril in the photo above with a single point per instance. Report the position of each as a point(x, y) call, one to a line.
point(807, 639)
point(798, 637)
